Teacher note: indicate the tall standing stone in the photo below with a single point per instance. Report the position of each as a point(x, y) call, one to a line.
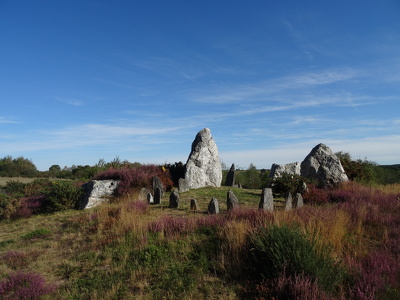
point(203, 167)
point(324, 166)
point(267, 200)
point(174, 200)
point(231, 200)
point(213, 206)
point(230, 177)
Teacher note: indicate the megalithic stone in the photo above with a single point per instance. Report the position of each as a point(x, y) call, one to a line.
point(267, 200)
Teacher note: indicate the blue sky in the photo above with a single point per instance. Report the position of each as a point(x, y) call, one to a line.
point(87, 80)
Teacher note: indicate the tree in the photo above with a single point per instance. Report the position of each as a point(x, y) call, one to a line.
point(54, 171)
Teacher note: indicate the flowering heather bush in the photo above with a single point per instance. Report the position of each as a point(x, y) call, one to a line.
point(314, 195)
point(255, 217)
point(28, 206)
point(340, 195)
point(20, 286)
point(377, 272)
point(172, 226)
point(297, 287)
point(135, 177)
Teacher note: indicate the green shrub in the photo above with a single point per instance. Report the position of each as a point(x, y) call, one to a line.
point(61, 195)
point(14, 189)
point(284, 250)
point(8, 206)
point(287, 183)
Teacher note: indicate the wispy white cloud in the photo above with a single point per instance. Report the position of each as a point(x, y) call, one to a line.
point(70, 101)
point(7, 121)
point(271, 88)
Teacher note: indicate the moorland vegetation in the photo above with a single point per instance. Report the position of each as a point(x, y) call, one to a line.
point(344, 243)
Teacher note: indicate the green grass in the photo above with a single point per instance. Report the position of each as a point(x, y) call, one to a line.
point(115, 252)
point(4, 180)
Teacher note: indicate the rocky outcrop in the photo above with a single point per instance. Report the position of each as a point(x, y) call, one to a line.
point(323, 166)
point(203, 167)
point(278, 170)
point(97, 192)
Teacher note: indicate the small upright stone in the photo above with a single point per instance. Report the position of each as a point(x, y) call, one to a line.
point(150, 198)
point(213, 206)
point(288, 205)
point(174, 200)
point(298, 200)
point(231, 200)
point(157, 195)
point(143, 194)
point(230, 177)
point(194, 205)
point(267, 200)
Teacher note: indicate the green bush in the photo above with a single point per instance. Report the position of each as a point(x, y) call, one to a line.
point(287, 183)
point(8, 206)
point(284, 250)
point(14, 189)
point(61, 195)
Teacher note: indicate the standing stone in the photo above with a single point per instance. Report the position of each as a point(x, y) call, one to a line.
point(194, 205)
point(213, 206)
point(157, 196)
point(267, 200)
point(324, 166)
point(156, 183)
point(150, 198)
point(174, 200)
point(298, 200)
point(97, 192)
point(230, 177)
point(288, 204)
point(203, 167)
point(231, 200)
point(143, 194)
point(183, 185)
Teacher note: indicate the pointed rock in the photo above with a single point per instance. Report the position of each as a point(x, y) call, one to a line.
point(203, 167)
point(230, 177)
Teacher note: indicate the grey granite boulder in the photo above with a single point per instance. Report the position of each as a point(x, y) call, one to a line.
point(97, 192)
point(203, 167)
point(278, 170)
point(323, 166)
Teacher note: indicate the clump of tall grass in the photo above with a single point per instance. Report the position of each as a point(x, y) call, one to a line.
point(281, 249)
